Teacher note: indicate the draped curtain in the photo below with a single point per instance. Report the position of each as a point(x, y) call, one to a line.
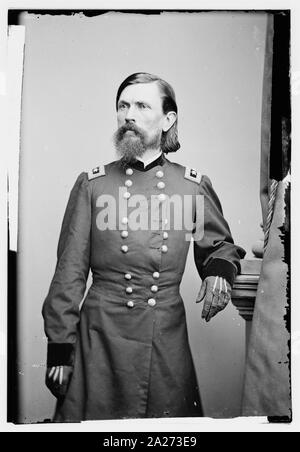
point(267, 386)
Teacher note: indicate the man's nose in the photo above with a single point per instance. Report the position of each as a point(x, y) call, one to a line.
point(130, 114)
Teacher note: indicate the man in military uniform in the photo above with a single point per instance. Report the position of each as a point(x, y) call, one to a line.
point(125, 353)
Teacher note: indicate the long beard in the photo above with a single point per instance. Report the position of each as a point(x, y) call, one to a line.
point(133, 144)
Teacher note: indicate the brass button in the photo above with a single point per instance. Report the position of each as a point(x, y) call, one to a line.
point(151, 302)
point(155, 275)
point(159, 174)
point(126, 195)
point(154, 289)
point(130, 304)
point(164, 248)
point(165, 235)
point(127, 276)
point(161, 197)
point(129, 171)
point(124, 234)
point(161, 185)
point(124, 220)
point(124, 248)
point(128, 183)
point(129, 290)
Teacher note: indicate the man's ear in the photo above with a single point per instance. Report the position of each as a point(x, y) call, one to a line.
point(169, 120)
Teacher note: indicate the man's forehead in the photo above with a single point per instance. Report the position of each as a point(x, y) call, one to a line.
point(141, 91)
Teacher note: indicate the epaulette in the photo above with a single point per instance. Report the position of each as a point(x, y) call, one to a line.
point(96, 172)
point(192, 174)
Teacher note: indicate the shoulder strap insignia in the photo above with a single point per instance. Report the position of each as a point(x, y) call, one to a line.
point(96, 172)
point(192, 174)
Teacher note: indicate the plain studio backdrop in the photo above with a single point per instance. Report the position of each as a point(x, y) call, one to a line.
point(72, 68)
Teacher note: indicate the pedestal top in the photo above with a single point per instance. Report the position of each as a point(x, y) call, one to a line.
point(245, 287)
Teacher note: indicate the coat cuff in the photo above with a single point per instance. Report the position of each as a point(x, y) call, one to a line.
point(220, 267)
point(60, 354)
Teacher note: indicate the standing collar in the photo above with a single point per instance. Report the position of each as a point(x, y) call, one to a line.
point(139, 165)
point(150, 160)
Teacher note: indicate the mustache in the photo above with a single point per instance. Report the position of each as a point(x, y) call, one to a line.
point(126, 127)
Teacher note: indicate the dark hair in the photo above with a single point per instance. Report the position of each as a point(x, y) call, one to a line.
point(169, 139)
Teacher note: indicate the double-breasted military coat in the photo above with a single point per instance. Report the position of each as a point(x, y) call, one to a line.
point(128, 343)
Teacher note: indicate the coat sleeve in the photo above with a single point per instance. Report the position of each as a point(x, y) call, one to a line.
point(61, 306)
point(215, 253)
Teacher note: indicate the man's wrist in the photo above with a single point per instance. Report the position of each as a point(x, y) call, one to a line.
point(222, 268)
point(60, 354)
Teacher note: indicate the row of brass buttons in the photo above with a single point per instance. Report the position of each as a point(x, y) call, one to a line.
point(124, 234)
point(151, 302)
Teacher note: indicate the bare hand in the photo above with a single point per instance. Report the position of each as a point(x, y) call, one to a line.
point(58, 378)
point(216, 293)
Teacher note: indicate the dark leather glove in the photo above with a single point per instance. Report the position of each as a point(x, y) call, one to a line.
point(216, 293)
point(58, 379)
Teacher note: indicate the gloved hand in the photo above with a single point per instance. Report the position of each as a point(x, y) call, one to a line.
point(216, 293)
point(58, 378)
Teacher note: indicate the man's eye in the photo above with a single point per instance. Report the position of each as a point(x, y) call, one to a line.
point(122, 107)
point(143, 106)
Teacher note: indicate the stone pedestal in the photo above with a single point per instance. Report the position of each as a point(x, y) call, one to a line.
point(244, 291)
